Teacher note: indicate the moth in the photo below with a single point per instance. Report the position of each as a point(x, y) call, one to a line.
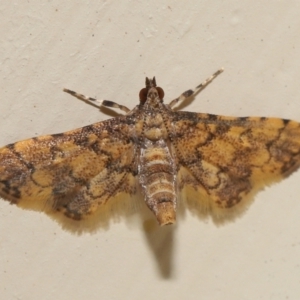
point(216, 161)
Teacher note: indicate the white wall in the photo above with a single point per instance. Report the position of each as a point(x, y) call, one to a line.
point(105, 49)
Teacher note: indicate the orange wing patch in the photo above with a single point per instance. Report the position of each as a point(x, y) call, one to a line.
point(73, 172)
point(233, 159)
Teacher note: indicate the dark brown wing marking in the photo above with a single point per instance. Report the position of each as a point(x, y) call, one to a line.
point(72, 172)
point(223, 159)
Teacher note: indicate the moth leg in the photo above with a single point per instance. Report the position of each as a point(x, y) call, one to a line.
point(190, 93)
point(106, 103)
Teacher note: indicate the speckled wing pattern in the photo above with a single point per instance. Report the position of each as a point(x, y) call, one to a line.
point(215, 161)
point(225, 159)
point(72, 172)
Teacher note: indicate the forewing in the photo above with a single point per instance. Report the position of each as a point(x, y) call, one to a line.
point(72, 172)
point(223, 160)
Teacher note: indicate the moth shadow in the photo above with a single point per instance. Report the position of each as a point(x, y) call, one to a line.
point(185, 103)
point(160, 240)
point(189, 100)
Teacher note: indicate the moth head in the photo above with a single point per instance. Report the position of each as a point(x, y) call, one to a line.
point(151, 91)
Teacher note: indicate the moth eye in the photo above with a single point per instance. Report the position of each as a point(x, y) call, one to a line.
point(143, 95)
point(161, 93)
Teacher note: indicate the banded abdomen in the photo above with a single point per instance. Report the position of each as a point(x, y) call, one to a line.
point(157, 178)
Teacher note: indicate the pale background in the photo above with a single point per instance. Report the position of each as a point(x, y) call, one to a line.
point(105, 49)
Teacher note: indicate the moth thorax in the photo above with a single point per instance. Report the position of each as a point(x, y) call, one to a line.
point(154, 127)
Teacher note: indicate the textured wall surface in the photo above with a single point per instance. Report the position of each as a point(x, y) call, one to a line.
point(105, 49)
